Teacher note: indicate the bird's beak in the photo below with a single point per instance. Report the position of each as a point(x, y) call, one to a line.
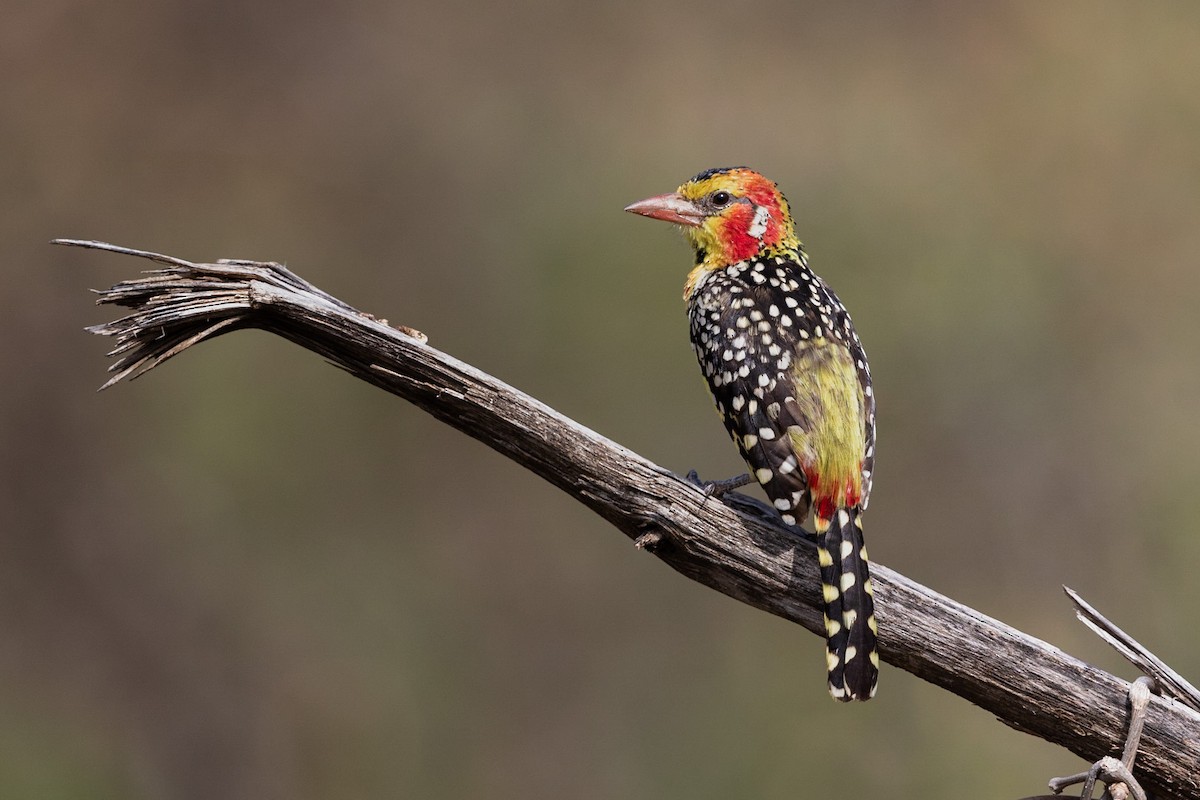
point(671, 207)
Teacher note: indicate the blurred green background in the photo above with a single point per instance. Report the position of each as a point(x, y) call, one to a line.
point(251, 576)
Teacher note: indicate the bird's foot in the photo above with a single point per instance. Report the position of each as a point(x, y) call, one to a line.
point(718, 488)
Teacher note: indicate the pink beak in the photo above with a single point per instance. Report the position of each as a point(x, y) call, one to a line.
point(671, 207)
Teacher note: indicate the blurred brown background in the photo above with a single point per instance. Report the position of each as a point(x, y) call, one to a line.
point(250, 576)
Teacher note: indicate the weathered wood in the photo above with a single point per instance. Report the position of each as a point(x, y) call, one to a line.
point(733, 545)
point(1169, 682)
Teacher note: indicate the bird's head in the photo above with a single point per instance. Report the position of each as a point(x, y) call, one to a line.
point(728, 215)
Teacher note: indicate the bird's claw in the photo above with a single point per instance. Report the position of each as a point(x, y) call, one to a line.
point(718, 488)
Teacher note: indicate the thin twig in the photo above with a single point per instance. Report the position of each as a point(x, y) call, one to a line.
point(1167, 680)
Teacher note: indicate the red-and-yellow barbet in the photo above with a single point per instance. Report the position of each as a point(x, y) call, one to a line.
point(791, 381)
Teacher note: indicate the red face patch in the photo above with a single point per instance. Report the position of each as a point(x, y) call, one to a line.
point(747, 228)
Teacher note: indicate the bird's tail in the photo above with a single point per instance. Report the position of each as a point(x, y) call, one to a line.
point(849, 607)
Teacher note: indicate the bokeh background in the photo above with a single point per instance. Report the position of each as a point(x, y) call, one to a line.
point(250, 576)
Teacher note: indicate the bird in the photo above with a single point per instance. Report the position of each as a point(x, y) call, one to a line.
point(791, 381)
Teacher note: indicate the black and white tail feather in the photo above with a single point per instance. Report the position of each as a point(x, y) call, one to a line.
point(850, 628)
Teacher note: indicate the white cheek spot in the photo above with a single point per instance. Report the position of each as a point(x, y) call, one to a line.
point(758, 226)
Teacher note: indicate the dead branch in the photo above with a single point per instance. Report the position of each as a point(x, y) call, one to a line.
point(1169, 682)
point(733, 545)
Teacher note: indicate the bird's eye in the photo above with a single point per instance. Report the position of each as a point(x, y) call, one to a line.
point(720, 199)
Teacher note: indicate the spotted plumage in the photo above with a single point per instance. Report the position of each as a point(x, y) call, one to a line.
point(792, 384)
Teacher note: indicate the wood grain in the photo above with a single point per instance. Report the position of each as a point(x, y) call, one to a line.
point(733, 545)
